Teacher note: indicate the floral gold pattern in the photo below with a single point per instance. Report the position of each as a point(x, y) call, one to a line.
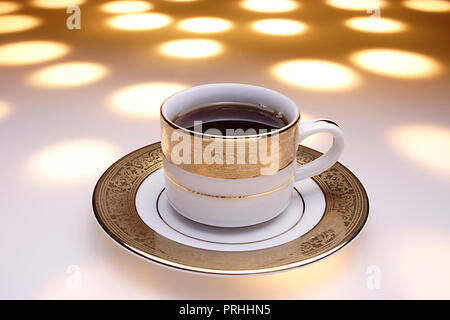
point(114, 206)
point(286, 140)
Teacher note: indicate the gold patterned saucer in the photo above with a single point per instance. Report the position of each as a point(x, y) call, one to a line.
point(326, 213)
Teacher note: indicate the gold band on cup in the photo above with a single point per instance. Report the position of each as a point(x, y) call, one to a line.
point(240, 157)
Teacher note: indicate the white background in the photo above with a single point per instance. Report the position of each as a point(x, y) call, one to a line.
point(49, 235)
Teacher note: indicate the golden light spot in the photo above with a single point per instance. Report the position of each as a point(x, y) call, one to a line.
point(270, 5)
point(29, 52)
point(191, 48)
point(376, 25)
point(357, 5)
point(17, 23)
point(396, 63)
point(279, 27)
point(5, 109)
point(145, 99)
point(56, 4)
point(72, 161)
point(315, 74)
point(424, 144)
point(69, 74)
point(125, 6)
point(139, 21)
point(428, 5)
point(205, 25)
point(8, 7)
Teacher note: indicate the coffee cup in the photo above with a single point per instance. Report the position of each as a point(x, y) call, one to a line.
point(238, 180)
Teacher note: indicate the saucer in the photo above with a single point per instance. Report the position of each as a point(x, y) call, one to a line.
point(325, 213)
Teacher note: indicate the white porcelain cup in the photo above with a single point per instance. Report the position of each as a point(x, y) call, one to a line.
point(236, 194)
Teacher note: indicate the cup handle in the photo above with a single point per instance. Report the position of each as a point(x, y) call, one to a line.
point(325, 161)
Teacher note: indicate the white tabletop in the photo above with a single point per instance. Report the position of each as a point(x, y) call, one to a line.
point(57, 140)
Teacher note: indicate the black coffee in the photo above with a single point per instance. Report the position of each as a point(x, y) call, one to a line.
point(230, 117)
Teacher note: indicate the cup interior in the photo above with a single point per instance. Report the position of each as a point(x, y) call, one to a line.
point(228, 92)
